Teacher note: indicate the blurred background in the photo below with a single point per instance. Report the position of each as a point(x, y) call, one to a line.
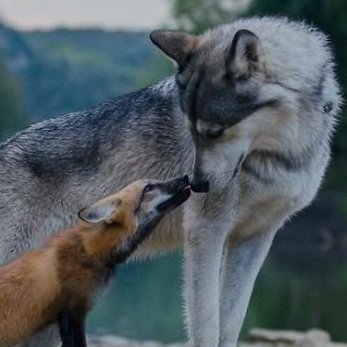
point(62, 56)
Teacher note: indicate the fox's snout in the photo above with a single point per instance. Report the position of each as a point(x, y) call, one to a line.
point(173, 193)
point(178, 184)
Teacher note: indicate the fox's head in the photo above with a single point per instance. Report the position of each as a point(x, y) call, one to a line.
point(237, 81)
point(123, 220)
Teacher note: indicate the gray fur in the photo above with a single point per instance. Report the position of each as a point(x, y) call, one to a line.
point(273, 110)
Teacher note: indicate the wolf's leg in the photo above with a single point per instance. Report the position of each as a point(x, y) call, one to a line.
point(242, 262)
point(202, 267)
point(205, 235)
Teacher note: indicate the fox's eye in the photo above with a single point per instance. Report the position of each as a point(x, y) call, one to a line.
point(149, 193)
point(149, 187)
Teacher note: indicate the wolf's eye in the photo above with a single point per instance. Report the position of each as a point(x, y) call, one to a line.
point(214, 131)
point(229, 76)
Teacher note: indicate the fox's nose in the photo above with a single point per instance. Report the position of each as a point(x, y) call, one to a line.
point(185, 179)
point(182, 182)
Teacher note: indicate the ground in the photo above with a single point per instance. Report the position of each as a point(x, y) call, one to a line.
point(257, 338)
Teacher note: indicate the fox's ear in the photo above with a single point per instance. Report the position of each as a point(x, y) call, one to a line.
point(176, 44)
point(102, 211)
point(245, 55)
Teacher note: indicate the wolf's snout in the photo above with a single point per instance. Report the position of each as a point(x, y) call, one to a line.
point(199, 183)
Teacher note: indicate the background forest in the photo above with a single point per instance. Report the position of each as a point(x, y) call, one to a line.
point(304, 281)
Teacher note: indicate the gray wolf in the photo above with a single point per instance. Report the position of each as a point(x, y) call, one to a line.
point(251, 111)
point(58, 283)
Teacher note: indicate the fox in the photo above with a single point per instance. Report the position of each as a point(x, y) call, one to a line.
point(58, 283)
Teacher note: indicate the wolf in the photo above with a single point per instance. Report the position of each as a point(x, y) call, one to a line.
point(249, 114)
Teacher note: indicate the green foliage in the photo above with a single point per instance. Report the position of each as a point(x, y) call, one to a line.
point(64, 70)
point(159, 66)
point(328, 15)
point(11, 116)
point(80, 68)
point(198, 15)
point(283, 300)
point(343, 205)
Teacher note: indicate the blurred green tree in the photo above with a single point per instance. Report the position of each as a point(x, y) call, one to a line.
point(197, 15)
point(11, 115)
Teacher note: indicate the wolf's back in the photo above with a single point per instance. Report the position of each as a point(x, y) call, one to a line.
point(53, 168)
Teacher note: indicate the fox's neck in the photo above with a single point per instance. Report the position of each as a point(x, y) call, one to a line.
point(99, 243)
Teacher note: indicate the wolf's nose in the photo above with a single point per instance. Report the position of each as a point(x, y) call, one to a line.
point(214, 132)
point(200, 186)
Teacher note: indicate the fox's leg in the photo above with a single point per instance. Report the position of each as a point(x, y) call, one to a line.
point(72, 329)
point(206, 230)
point(246, 250)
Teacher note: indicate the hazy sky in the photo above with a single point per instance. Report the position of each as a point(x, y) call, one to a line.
point(42, 14)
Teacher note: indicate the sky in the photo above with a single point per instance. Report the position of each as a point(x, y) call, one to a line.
point(108, 14)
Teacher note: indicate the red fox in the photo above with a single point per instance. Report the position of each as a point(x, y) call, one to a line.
point(58, 282)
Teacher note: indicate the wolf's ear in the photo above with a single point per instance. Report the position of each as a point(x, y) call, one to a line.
point(176, 44)
point(102, 211)
point(245, 55)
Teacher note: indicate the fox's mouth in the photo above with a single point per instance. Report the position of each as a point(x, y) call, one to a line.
point(177, 199)
point(139, 200)
point(177, 189)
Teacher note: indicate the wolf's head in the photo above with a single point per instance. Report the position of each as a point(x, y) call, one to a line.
point(122, 221)
point(233, 83)
point(220, 85)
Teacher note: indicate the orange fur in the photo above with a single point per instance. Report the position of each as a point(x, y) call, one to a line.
point(65, 273)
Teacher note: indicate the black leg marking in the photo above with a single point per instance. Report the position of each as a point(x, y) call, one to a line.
point(72, 329)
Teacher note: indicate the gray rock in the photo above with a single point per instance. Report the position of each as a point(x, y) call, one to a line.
point(257, 338)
